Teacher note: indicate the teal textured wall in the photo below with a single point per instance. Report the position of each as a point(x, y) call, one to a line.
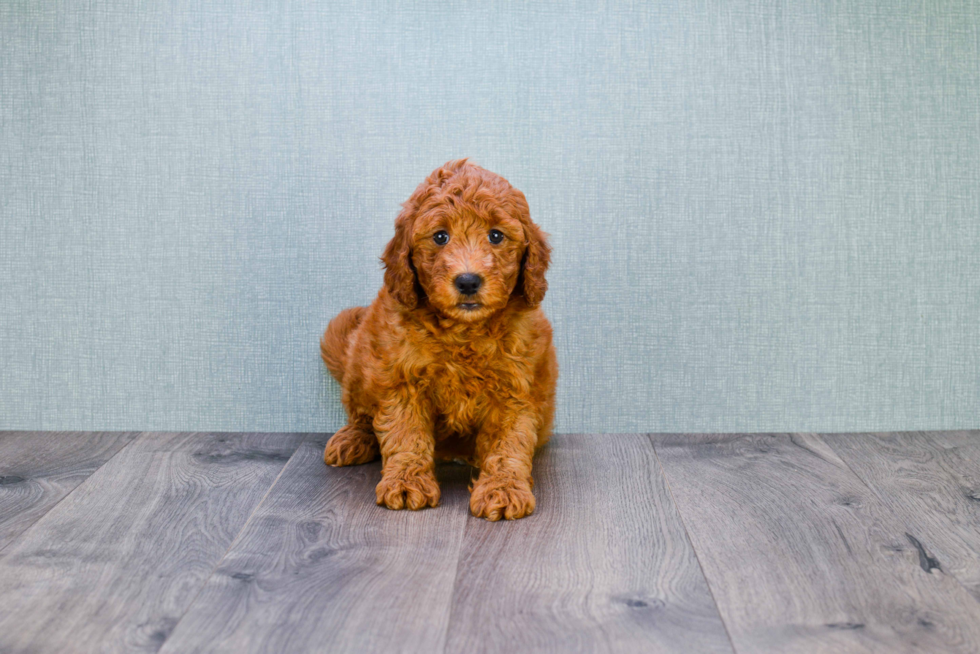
point(765, 215)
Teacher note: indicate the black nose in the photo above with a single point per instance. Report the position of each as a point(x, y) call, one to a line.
point(468, 283)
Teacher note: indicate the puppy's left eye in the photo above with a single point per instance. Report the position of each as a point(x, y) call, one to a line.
point(496, 236)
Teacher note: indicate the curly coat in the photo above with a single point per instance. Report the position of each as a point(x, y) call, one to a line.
point(430, 371)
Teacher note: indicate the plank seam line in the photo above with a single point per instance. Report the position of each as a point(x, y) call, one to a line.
point(851, 469)
point(139, 436)
point(452, 591)
point(231, 546)
point(697, 557)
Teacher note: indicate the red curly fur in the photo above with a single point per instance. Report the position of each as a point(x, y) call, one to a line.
point(424, 377)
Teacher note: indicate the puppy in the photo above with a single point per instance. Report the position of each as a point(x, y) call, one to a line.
point(454, 358)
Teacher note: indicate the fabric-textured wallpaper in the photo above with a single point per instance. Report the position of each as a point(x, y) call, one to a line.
point(765, 215)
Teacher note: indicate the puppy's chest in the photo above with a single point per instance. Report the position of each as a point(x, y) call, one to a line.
point(465, 382)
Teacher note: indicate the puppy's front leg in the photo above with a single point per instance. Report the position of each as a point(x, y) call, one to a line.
point(504, 451)
point(408, 480)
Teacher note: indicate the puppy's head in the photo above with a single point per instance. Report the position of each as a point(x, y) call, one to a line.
point(464, 242)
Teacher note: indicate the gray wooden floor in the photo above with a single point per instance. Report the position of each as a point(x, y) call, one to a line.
point(201, 542)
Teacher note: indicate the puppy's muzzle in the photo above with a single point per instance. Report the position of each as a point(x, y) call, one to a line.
point(468, 283)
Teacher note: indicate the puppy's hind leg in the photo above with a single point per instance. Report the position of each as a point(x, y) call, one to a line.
point(354, 444)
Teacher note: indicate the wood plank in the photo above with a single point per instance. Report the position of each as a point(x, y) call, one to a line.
point(603, 565)
point(115, 564)
point(320, 567)
point(802, 556)
point(38, 469)
point(931, 481)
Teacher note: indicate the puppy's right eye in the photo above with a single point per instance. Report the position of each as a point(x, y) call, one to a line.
point(441, 237)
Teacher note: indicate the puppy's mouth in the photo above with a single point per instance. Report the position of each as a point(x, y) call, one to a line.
point(469, 306)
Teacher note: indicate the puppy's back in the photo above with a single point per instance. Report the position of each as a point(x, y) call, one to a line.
point(333, 345)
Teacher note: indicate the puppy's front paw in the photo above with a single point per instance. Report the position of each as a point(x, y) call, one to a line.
point(351, 446)
point(494, 498)
point(412, 490)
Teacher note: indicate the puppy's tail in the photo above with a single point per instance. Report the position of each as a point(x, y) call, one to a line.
point(333, 345)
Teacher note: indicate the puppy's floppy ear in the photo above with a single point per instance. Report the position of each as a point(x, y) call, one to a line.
point(400, 277)
point(537, 256)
